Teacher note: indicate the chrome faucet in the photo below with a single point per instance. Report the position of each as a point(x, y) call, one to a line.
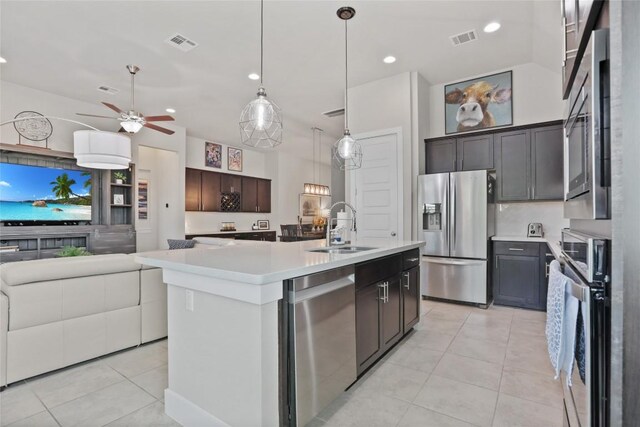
point(353, 219)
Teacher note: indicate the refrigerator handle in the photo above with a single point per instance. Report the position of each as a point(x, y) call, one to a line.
point(452, 217)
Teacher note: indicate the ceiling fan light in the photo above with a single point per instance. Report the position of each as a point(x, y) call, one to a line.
point(101, 150)
point(131, 126)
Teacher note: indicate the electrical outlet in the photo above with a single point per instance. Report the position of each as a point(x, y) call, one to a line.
point(189, 300)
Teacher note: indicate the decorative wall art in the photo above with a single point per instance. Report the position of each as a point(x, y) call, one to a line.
point(263, 224)
point(234, 159)
point(481, 103)
point(143, 201)
point(118, 199)
point(213, 155)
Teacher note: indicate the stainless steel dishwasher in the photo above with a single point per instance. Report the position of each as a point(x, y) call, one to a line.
point(320, 322)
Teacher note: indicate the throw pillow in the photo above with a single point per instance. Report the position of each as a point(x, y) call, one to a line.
point(181, 244)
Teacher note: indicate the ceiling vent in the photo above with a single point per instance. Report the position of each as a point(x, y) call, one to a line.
point(334, 113)
point(462, 38)
point(108, 90)
point(181, 42)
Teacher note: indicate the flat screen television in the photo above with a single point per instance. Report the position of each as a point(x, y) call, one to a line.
point(43, 195)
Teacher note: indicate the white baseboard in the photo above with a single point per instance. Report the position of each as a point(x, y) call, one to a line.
point(187, 413)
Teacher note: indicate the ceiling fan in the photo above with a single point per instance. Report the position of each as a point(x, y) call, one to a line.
point(132, 121)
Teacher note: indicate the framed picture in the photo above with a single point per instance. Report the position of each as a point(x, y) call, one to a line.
point(263, 224)
point(312, 206)
point(476, 104)
point(212, 155)
point(234, 159)
point(143, 202)
point(118, 199)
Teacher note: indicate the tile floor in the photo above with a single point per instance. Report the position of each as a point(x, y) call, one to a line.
point(462, 366)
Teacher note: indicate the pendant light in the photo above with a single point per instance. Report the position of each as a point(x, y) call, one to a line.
point(261, 119)
point(347, 153)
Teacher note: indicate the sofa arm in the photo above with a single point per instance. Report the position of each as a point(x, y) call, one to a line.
point(4, 327)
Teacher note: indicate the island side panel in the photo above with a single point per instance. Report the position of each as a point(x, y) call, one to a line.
point(223, 358)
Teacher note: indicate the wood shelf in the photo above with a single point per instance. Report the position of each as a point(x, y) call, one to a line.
point(32, 149)
point(120, 206)
point(115, 184)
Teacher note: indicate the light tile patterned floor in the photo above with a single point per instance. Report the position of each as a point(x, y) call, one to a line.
point(462, 366)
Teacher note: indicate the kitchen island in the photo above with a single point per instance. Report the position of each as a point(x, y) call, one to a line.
point(225, 310)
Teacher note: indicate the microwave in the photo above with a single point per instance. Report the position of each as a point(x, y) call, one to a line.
point(587, 162)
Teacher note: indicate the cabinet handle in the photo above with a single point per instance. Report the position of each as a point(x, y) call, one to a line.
point(516, 249)
point(546, 270)
point(496, 263)
point(386, 288)
point(413, 259)
point(407, 283)
point(381, 288)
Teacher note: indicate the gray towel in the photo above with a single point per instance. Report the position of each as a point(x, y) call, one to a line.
point(562, 313)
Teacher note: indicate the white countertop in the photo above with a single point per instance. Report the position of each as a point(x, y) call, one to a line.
point(267, 262)
point(552, 241)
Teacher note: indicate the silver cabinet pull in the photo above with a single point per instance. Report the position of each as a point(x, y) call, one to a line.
point(516, 249)
point(381, 288)
point(413, 259)
point(407, 283)
point(546, 270)
point(386, 292)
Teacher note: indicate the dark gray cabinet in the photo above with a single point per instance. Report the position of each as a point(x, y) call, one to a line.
point(440, 156)
point(529, 164)
point(475, 153)
point(520, 274)
point(547, 161)
point(387, 304)
point(513, 161)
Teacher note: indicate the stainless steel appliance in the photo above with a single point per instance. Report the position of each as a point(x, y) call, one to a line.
point(456, 220)
point(587, 135)
point(534, 229)
point(587, 264)
point(320, 347)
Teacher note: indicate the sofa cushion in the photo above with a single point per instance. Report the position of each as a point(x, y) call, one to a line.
point(213, 241)
point(180, 244)
point(19, 273)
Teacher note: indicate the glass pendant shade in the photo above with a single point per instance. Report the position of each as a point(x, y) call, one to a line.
point(261, 122)
point(131, 126)
point(347, 153)
point(101, 150)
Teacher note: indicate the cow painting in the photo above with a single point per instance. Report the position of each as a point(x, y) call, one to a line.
point(478, 104)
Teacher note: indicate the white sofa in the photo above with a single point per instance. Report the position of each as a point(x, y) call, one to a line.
point(60, 311)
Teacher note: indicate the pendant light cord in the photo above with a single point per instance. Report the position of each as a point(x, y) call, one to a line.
point(346, 77)
point(261, 38)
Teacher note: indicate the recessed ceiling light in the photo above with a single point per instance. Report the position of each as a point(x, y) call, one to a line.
point(254, 76)
point(170, 110)
point(389, 59)
point(2, 60)
point(492, 27)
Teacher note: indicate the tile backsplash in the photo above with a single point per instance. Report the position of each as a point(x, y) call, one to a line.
point(512, 218)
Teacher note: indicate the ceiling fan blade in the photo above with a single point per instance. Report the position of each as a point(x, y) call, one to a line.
point(113, 107)
point(158, 118)
point(158, 128)
point(95, 115)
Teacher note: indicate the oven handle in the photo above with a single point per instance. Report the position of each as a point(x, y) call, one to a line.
point(578, 290)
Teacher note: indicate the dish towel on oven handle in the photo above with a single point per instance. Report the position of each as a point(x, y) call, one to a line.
point(562, 315)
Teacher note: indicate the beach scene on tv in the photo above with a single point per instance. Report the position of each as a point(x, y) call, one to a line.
point(33, 193)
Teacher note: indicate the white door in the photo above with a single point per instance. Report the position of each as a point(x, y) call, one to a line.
point(376, 189)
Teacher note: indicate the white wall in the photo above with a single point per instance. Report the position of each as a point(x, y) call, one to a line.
point(170, 182)
point(398, 101)
point(536, 97)
point(512, 218)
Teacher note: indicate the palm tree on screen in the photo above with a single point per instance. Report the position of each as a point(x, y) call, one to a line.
point(62, 187)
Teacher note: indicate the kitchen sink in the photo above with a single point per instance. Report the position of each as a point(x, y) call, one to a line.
point(341, 250)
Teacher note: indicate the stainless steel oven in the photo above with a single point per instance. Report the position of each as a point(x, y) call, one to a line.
point(586, 396)
point(587, 135)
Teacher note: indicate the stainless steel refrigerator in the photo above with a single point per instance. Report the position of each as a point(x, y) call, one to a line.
point(456, 219)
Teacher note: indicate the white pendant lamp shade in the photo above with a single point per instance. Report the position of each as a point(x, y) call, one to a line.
point(131, 126)
point(347, 152)
point(261, 122)
point(101, 150)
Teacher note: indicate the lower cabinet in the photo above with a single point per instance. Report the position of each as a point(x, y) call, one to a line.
point(520, 274)
point(410, 298)
point(387, 306)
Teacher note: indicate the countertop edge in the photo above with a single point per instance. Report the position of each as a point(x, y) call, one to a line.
point(552, 241)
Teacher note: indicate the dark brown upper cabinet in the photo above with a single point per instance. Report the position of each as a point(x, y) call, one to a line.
point(193, 190)
point(440, 156)
point(210, 191)
point(475, 152)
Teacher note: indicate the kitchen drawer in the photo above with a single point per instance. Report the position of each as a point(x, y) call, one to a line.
point(410, 259)
point(377, 270)
point(516, 248)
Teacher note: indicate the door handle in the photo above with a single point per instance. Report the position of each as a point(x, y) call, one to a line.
point(393, 234)
point(407, 283)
